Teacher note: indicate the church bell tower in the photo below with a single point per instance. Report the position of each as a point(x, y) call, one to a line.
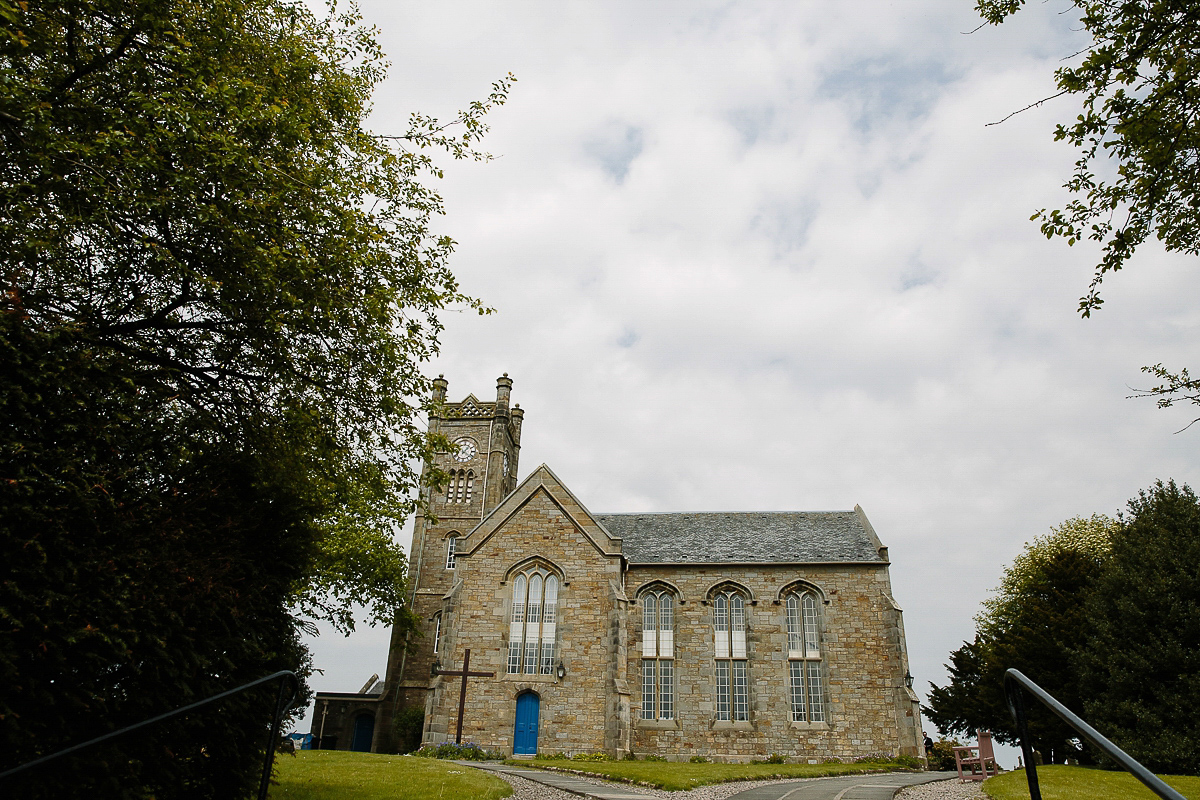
point(485, 440)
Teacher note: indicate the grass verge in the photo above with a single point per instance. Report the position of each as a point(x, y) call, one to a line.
point(336, 775)
point(1059, 782)
point(674, 776)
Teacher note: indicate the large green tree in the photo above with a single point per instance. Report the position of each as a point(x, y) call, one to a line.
point(139, 573)
point(1033, 623)
point(234, 283)
point(1140, 663)
point(1137, 132)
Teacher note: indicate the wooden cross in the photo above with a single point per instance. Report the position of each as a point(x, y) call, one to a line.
point(462, 692)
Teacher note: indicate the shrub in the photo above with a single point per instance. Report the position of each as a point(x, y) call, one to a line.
point(699, 759)
point(461, 752)
point(653, 757)
point(591, 757)
point(941, 757)
point(410, 723)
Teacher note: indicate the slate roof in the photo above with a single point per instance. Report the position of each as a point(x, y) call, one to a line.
point(743, 537)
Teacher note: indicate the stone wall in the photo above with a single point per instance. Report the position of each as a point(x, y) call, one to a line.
point(577, 713)
point(334, 714)
point(862, 654)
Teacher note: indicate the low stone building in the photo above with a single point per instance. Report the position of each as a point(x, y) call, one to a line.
point(727, 635)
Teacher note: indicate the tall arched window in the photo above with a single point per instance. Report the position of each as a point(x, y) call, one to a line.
point(658, 655)
point(804, 657)
point(729, 639)
point(437, 632)
point(451, 550)
point(532, 628)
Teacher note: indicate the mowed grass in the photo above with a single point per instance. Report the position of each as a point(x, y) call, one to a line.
point(1059, 782)
point(674, 776)
point(337, 775)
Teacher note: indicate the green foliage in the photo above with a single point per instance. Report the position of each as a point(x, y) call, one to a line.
point(592, 757)
point(218, 291)
point(141, 573)
point(653, 757)
point(1033, 623)
point(699, 759)
point(1140, 667)
point(1139, 86)
point(468, 751)
point(191, 184)
point(777, 758)
point(337, 775)
point(941, 757)
point(410, 724)
point(903, 762)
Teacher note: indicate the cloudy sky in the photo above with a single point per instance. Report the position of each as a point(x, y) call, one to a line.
point(768, 256)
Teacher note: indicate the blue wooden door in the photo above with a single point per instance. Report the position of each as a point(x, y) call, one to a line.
point(525, 734)
point(364, 731)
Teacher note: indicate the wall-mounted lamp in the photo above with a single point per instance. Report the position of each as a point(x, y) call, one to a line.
point(908, 680)
point(561, 671)
point(434, 667)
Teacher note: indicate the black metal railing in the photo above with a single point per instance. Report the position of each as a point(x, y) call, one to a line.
point(289, 690)
point(1014, 681)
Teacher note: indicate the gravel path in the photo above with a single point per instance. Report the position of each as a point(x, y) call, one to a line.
point(529, 790)
point(941, 790)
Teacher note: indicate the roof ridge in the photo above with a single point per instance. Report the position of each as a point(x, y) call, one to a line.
point(677, 513)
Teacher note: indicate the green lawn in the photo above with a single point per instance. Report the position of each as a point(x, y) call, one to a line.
point(1082, 783)
point(337, 775)
point(674, 776)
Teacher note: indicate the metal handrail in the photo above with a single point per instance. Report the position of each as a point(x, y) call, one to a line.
point(283, 702)
point(1014, 681)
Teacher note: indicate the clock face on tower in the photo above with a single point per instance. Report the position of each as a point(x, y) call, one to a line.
point(466, 449)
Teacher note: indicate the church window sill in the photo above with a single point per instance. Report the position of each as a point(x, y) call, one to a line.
point(809, 726)
point(727, 725)
point(658, 724)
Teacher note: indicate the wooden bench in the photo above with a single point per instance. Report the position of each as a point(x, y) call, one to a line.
point(979, 759)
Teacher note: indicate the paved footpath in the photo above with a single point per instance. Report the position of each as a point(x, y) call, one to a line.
point(564, 781)
point(879, 786)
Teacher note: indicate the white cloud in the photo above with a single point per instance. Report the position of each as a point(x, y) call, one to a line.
point(768, 256)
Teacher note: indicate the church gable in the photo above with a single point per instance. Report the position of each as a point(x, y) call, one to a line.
point(542, 494)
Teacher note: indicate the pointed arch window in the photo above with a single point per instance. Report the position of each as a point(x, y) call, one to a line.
point(437, 632)
point(462, 483)
point(658, 655)
point(533, 623)
point(451, 550)
point(729, 644)
point(805, 678)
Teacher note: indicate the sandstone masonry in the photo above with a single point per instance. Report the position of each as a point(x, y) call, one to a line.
point(582, 688)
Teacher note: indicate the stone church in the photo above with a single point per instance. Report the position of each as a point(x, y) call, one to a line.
point(726, 635)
